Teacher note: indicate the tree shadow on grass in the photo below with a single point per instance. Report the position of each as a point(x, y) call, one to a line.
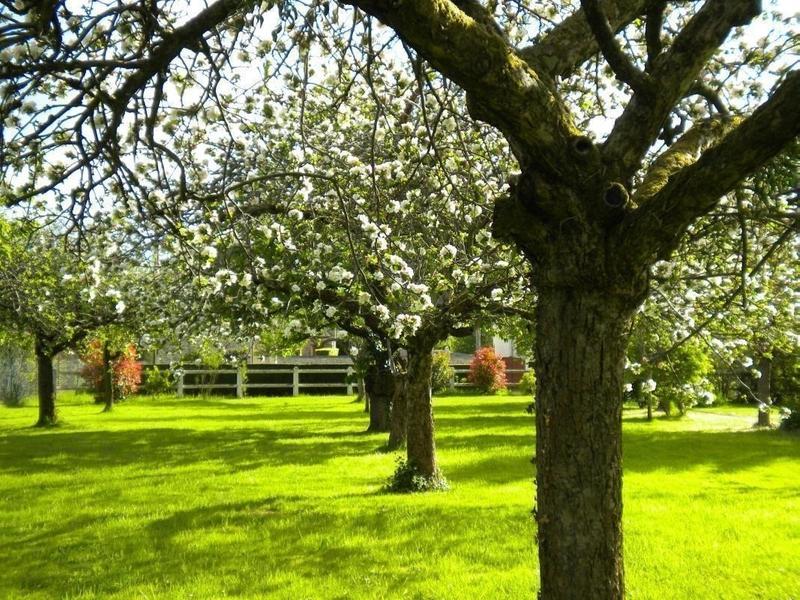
point(498, 469)
point(448, 423)
point(236, 449)
point(724, 451)
point(460, 440)
point(255, 546)
point(489, 408)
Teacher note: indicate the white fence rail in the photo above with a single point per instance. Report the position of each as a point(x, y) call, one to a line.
point(297, 384)
point(243, 386)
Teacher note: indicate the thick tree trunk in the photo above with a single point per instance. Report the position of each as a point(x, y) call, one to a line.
point(379, 383)
point(764, 390)
point(580, 350)
point(399, 417)
point(46, 388)
point(420, 443)
point(108, 379)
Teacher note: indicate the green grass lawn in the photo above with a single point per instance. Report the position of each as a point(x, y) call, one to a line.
point(282, 498)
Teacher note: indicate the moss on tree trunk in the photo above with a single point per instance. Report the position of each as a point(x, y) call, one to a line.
point(580, 350)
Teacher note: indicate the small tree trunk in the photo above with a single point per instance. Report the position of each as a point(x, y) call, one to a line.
point(399, 418)
point(581, 338)
point(108, 379)
point(420, 443)
point(362, 394)
point(649, 410)
point(764, 390)
point(46, 387)
point(379, 383)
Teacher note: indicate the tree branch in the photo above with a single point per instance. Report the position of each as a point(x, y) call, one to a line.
point(652, 31)
point(502, 89)
point(689, 189)
point(620, 63)
point(571, 43)
point(674, 71)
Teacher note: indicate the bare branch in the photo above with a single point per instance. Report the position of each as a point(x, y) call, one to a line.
point(652, 32)
point(675, 71)
point(620, 63)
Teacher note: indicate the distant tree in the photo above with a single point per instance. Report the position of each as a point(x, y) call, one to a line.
point(111, 367)
point(56, 297)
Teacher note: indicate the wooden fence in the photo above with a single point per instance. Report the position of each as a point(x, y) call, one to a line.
point(242, 381)
point(239, 382)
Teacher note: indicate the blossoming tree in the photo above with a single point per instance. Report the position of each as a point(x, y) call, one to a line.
point(385, 237)
point(592, 217)
point(58, 298)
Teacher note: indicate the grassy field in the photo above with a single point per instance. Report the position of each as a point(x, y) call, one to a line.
point(282, 498)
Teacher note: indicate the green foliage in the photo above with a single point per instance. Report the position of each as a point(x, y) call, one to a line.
point(207, 353)
point(790, 420)
point(407, 479)
point(679, 381)
point(487, 371)
point(527, 383)
point(786, 380)
point(158, 381)
point(441, 372)
point(276, 341)
point(16, 370)
point(462, 345)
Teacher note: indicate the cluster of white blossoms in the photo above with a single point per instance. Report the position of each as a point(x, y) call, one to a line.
point(339, 275)
point(649, 385)
point(391, 228)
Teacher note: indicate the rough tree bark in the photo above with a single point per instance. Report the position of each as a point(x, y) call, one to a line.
point(420, 443)
point(45, 386)
point(399, 418)
point(379, 383)
point(580, 351)
point(108, 379)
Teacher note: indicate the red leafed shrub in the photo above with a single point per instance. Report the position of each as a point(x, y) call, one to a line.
point(487, 371)
point(127, 372)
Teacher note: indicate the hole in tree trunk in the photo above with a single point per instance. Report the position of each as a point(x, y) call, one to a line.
point(616, 195)
point(582, 145)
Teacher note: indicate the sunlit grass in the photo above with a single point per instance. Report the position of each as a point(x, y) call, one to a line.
point(282, 498)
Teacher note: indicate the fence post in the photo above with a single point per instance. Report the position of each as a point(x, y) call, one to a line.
point(296, 381)
point(180, 384)
point(452, 379)
point(239, 387)
point(349, 381)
